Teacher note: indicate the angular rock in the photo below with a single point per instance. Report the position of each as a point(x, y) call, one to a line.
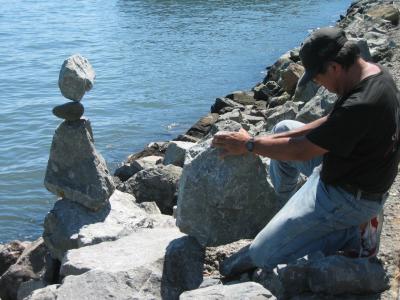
point(221, 103)
point(129, 169)
point(76, 77)
point(202, 126)
point(70, 225)
point(254, 120)
point(176, 152)
point(228, 125)
point(274, 71)
point(75, 169)
point(247, 290)
point(124, 285)
point(71, 111)
point(279, 100)
point(9, 254)
point(186, 138)
point(152, 149)
point(290, 76)
point(183, 267)
point(337, 275)
point(242, 97)
point(30, 265)
point(144, 248)
point(150, 207)
point(158, 184)
point(386, 12)
point(234, 115)
point(261, 92)
point(27, 287)
point(306, 92)
point(288, 111)
point(320, 105)
point(223, 200)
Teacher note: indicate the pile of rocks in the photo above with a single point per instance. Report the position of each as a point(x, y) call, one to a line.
point(115, 236)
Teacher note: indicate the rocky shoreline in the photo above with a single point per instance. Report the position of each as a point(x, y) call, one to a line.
point(174, 211)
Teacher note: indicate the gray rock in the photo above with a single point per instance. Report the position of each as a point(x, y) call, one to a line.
point(27, 287)
point(150, 207)
point(76, 77)
point(320, 105)
point(242, 97)
point(386, 12)
point(274, 71)
point(306, 92)
point(337, 275)
point(183, 267)
point(279, 100)
point(287, 111)
point(261, 92)
point(221, 103)
point(234, 115)
point(144, 248)
point(228, 125)
point(129, 169)
point(141, 283)
point(203, 125)
point(9, 254)
point(290, 76)
point(71, 111)
point(70, 225)
point(158, 184)
point(176, 152)
point(247, 290)
point(75, 169)
point(30, 265)
point(223, 200)
point(152, 149)
point(254, 120)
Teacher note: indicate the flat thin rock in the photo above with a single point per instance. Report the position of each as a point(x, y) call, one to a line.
point(76, 77)
point(71, 111)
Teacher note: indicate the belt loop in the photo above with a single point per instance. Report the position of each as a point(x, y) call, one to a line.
point(359, 192)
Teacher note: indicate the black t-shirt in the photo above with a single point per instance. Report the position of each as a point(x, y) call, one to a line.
point(361, 135)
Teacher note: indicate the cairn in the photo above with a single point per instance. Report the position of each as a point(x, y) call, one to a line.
point(75, 170)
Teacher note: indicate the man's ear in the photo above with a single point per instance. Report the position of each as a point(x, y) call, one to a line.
point(336, 68)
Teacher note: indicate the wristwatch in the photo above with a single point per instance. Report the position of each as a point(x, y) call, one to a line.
point(250, 144)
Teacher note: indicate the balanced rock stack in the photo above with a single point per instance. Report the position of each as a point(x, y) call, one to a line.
point(75, 170)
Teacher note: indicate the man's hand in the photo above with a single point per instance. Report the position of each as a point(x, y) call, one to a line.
point(231, 143)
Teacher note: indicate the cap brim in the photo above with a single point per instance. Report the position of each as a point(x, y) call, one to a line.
point(306, 78)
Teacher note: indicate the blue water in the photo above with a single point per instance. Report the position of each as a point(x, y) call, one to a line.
point(160, 64)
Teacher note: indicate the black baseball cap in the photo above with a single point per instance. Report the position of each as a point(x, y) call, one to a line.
point(320, 47)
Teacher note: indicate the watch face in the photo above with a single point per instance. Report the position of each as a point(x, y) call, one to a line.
point(250, 145)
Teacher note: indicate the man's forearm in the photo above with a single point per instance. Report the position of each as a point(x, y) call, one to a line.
point(301, 131)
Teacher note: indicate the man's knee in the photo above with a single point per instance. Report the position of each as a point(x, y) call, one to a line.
point(286, 125)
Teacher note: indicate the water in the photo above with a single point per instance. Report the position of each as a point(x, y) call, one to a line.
point(160, 64)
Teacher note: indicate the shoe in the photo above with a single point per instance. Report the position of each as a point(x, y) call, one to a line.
point(237, 263)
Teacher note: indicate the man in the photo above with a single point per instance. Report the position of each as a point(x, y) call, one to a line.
point(357, 144)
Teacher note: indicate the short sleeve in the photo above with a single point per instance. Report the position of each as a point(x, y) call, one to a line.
point(343, 129)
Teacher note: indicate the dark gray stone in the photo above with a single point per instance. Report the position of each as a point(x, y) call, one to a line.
point(75, 169)
point(158, 184)
point(183, 267)
point(71, 111)
point(9, 254)
point(76, 77)
point(176, 152)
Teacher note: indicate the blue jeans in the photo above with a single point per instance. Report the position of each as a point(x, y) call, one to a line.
point(317, 217)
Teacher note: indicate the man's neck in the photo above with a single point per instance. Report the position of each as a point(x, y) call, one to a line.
point(360, 70)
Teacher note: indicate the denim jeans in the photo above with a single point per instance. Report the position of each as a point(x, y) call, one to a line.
point(317, 217)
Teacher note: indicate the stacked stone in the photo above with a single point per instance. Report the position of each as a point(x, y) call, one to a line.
point(76, 171)
point(75, 79)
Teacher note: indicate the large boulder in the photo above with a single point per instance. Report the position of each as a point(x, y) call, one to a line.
point(223, 200)
point(76, 77)
point(158, 184)
point(246, 290)
point(9, 254)
point(176, 152)
point(70, 225)
point(386, 12)
point(30, 265)
point(75, 169)
point(290, 76)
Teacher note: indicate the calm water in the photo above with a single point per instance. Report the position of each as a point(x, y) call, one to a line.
point(160, 64)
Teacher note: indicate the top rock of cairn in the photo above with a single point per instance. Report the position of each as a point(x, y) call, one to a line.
point(76, 77)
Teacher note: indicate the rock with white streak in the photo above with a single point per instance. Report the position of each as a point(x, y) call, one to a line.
point(75, 169)
point(76, 77)
point(223, 200)
point(176, 152)
point(69, 225)
point(246, 290)
point(131, 168)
